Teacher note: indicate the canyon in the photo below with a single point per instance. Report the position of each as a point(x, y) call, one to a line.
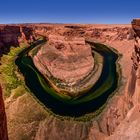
point(120, 117)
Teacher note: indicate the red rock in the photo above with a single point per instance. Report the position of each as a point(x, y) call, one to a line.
point(3, 123)
point(68, 60)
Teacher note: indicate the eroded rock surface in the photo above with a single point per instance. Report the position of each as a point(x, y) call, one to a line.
point(13, 35)
point(3, 121)
point(68, 60)
point(129, 127)
point(62, 130)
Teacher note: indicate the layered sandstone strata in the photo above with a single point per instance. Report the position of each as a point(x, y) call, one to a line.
point(13, 35)
point(68, 61)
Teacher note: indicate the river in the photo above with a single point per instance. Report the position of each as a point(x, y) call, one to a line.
point(90, 102)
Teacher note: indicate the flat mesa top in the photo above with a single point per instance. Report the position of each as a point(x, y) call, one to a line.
point(67, 59)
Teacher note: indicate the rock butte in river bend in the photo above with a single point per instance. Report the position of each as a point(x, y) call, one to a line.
point(119, 121)
point(69, 60)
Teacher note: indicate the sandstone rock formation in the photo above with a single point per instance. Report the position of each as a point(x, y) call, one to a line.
point(65, 129)
point(68, 60)
point(13, 35)
point(3, 121)
point(128, 128)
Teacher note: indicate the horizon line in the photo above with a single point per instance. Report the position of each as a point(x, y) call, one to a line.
point(9, 23)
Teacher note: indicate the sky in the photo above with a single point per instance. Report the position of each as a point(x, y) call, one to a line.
point(69, 11)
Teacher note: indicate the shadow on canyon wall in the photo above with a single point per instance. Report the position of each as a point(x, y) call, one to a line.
point(3, 122)
point(12, 36)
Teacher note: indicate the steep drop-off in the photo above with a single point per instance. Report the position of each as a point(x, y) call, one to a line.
point(129, 127)
point(3, 121)
point(13, 35)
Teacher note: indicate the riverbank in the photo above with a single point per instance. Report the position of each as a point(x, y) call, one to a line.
point(65, 107)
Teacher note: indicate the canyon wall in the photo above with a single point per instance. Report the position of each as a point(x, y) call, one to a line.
point(135, 82)
point(129, 126)
point(3, 122)
point(120, 38)
point(13, 35)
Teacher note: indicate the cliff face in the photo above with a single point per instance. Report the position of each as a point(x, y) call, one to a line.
point(3, 123)
point(129, 127)
point(134, 82)
point(13, 36)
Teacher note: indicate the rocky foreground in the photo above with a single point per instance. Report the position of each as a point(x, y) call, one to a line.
point(120, 119)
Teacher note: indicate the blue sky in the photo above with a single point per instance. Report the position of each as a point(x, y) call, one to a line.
point(69, 11)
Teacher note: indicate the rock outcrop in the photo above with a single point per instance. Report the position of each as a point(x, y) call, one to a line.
point(69, 61)
point(13, 35)
point(61, 130)
point(3, 122)
point(134, 82)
